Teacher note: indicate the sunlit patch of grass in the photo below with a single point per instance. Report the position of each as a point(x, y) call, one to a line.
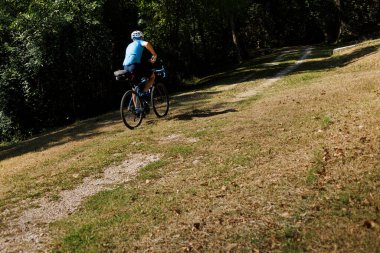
point(298, 80)
point(227, 171)
point(110, 207)
point(230, 174)
point(180, 149)
point(200, 133)
point(82, 236)
point(111, 220)
point(151, 171)
point(65, 169)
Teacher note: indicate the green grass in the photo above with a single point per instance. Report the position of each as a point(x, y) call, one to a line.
point(180, 149)
point(86, 237)
point(291, 235)
point(226, 162)
point(201, 133)
point(326, 121)
point(231, 172)
point(317, 168)
point(151, 171)
point(301, 79)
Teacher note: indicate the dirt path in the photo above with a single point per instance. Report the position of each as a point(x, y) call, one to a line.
point(269, 82)
point(29, 231)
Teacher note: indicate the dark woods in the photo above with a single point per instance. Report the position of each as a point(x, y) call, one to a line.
point(57, 56)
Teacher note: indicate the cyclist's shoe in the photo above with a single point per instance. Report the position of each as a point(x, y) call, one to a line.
point(146, 107)
point(138, 112)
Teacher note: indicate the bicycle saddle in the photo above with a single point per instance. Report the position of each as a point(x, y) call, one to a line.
point(122, 74)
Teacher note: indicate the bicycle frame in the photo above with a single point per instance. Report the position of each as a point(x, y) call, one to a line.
point(134, 107)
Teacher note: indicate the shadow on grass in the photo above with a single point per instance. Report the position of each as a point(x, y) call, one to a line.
point(83, 130)
point(196, 98)
point(196, 95)
point(337, 61)
point(201, 114)
point(258, 71)
point(254, 69)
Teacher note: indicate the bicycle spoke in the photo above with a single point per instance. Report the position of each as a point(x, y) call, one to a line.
point(160, 100)
point(130, 109)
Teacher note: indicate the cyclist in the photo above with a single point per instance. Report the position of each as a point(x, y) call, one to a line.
point(134, 64)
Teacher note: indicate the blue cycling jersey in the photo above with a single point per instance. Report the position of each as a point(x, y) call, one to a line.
point(133, 52)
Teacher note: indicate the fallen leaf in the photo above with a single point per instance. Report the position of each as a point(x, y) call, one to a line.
point(197, 225)
point(326, 155)
point(371, 224)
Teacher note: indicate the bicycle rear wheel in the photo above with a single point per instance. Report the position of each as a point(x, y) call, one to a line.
point(131, 109)
point(160, 100)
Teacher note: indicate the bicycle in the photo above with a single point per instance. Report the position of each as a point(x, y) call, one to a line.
point(133, 108)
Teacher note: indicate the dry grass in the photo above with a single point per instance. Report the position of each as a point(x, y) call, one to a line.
point(294, 169)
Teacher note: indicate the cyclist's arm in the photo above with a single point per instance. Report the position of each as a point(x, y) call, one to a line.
point(149, 46)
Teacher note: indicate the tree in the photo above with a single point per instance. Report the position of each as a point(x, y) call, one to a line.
point(230, 10)
point(53, 74)
point(57, 56)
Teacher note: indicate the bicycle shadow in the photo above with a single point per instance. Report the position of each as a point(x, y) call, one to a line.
point(201, 114)
point(90, 128)
point(181, 99)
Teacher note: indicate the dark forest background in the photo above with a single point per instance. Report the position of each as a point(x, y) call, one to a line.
point(57, 57)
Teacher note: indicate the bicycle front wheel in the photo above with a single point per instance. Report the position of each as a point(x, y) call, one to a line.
point(131, 109)
point(160, 100)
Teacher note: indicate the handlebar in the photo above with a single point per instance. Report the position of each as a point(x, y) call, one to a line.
point(161, 72)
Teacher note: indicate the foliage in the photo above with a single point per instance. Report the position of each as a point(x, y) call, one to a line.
point(57, 56)
point(58, 53)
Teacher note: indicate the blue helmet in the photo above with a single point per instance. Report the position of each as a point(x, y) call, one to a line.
point(137, 35)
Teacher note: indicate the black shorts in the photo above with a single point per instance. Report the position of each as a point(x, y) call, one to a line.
point(139, 70)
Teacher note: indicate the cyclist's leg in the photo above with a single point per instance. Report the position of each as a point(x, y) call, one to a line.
point(147, 71)
point(150, 82)
point(134, 70)
point(139, 77)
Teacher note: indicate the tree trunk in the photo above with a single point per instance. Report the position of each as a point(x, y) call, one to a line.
point(338, 25)
point(235, 39)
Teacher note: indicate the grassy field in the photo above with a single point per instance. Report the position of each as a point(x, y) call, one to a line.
point(293, 168)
